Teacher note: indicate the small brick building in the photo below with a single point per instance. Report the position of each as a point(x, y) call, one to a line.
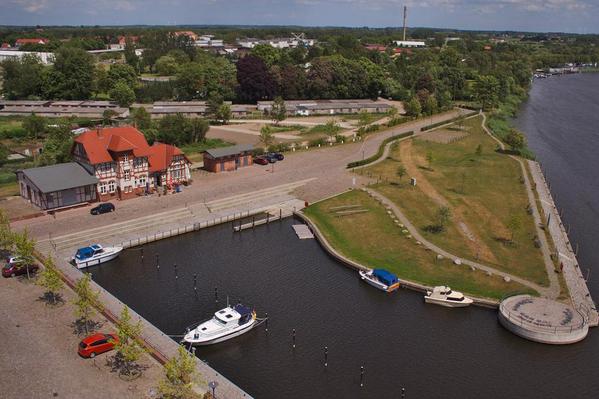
point(228, 159)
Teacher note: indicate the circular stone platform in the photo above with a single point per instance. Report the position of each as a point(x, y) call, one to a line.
point(542, 320)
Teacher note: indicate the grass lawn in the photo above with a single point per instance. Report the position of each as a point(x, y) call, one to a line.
point(9, 189)
point(372, 239)
point(484, 192)
point(194, 151)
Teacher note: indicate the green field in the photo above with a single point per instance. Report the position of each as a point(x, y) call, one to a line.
point(484, 193)
point(372, 239)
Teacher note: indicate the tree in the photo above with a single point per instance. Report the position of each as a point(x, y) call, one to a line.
point(72, 74)
point(401, 172)
point(7, 238)
point(514, 225)
point(50, 280)
point(266, 136)
point(107, 116)
point(443, 217)
point(197, 128)
point(255, 80)
point(515, 139)
point(486, 91)
point(122, 94)
point(331, 128)
point(224, 114)
point(363, 118)
point(128, 348)
point(166, 66)
point(178, 381)
point(430, 105)
point(429, 158)
point(87, 300)
point(215, 100)
point(141, 118)
point(24, 249)
point(23, 78)
point(413, 107)
point(122, 73)
point(130, 57)
point(278, 112)
point(34, 125)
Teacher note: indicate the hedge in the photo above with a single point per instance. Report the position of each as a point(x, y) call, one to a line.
point(380, 151)
point(434, 125)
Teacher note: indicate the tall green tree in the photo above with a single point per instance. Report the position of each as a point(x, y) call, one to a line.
point(267, 138)
point(278, 112)
point(516, 140)
point(34, 125)
point(141, 118)
point(122, 94)
point(86, 302)
point(23, 78)
point(25, 249)
point(224, 114)
point(128, 348)
point(486, 91)
point(180, 373)
point(72, 75)
point(57, 146)
point(7, 238)
point(51, 281)
point(412, 107)
point(122, 73)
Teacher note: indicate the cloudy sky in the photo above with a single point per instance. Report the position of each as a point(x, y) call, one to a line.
point(579, 16)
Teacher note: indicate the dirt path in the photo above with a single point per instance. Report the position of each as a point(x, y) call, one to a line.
point(476, 245)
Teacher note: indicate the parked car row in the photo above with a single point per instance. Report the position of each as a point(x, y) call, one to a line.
point(269, 157)
point(14, 267)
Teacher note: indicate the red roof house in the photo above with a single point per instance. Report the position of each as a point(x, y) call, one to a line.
point(21, 42)
point(126, 165)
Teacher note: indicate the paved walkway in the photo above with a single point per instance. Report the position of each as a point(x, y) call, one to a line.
point(418, 237)
point(579, 292)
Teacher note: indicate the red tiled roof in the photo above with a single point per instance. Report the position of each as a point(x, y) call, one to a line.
point(5, 45)
point(32, 41)
point(99, 143)
point(133, 39)
point(161, 155)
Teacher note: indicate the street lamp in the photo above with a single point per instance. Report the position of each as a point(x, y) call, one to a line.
point(212, 385)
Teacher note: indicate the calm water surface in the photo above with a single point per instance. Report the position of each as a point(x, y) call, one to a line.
point(431, 351)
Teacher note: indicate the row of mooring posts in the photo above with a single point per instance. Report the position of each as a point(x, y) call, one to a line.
point(293, 331)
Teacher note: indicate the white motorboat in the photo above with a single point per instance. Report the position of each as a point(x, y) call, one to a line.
point(381, 279)
point(94, 255)
point(227, 323)
point(444, 296)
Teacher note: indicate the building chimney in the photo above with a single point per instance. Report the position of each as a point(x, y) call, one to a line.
point(405, 17)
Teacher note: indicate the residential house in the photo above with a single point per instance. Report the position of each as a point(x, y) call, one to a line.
point(126, 165)
point(22, 42)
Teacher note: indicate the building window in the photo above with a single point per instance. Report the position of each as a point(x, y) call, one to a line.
point(138, 162)
point(127, 175)
point(112, 186)
point(125, 158)
point(142, 181)
point(103, 189)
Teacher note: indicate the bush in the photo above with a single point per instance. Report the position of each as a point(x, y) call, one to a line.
point(316, 142)
point(368, 129)
point(15, 132)
point(281, 147)
point(7, 178)
point(380, 151)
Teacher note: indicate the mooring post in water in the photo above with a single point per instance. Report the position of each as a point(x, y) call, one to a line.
point(266, 321)
point(216, 294)
point(280, 214)
point(142, 255)
point(326, 355)
point(157, 263)
point(361, 376)
point(267, 218)
point(403, 393)
point(253, 221)
point(195, 278)
point(293, 334)
point(176, 275)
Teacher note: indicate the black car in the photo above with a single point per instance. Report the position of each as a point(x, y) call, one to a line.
point(276, 155)
point(102, 208)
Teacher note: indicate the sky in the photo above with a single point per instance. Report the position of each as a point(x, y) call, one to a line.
point(576, 16)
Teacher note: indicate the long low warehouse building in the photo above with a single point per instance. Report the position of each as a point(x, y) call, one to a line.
point(327, 107)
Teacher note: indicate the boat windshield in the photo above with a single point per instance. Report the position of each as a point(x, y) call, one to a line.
point(459, 299)
point(219, 321)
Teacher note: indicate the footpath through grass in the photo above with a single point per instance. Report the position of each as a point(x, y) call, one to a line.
point(483, 189)
point(374, 240)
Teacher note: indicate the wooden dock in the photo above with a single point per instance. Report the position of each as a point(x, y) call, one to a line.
point(303, 231)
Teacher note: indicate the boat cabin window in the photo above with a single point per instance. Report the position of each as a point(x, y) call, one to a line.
point(460, 299)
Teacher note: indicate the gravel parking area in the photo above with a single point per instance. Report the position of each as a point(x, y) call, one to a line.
point(38, 352)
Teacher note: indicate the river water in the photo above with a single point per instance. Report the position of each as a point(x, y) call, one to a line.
point(431, 351)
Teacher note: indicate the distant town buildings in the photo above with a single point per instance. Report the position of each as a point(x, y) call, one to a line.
point(22, 42)
point(122, 42)
point(45, 58)
point(409, 43)
point(280, 43)
point(57, 109)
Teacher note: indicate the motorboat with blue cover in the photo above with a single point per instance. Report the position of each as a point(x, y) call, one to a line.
point(94, 255)
point(381, 279)
point(227, 323)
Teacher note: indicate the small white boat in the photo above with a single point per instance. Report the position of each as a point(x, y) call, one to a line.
point(94, 255)
point(381, 279)
point(444, 296)
point(227, 323)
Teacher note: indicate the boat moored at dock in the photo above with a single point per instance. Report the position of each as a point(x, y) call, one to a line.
point(227, 323)
point(381, 279)
point(94, 255)
point(444, 296)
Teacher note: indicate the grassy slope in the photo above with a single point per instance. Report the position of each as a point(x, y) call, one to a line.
point(490, 194)
point(374, 240)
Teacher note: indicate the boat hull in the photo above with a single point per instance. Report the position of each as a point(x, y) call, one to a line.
point(448, 304)
point(245, 328)
point(99, 260)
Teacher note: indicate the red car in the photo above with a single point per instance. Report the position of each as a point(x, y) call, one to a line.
point(17, 269)
point(261, 160)
point(96, 344)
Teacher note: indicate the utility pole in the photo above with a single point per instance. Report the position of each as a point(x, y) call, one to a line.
point(405, 17)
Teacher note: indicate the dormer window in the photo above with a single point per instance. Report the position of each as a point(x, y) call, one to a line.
point(125, 158)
